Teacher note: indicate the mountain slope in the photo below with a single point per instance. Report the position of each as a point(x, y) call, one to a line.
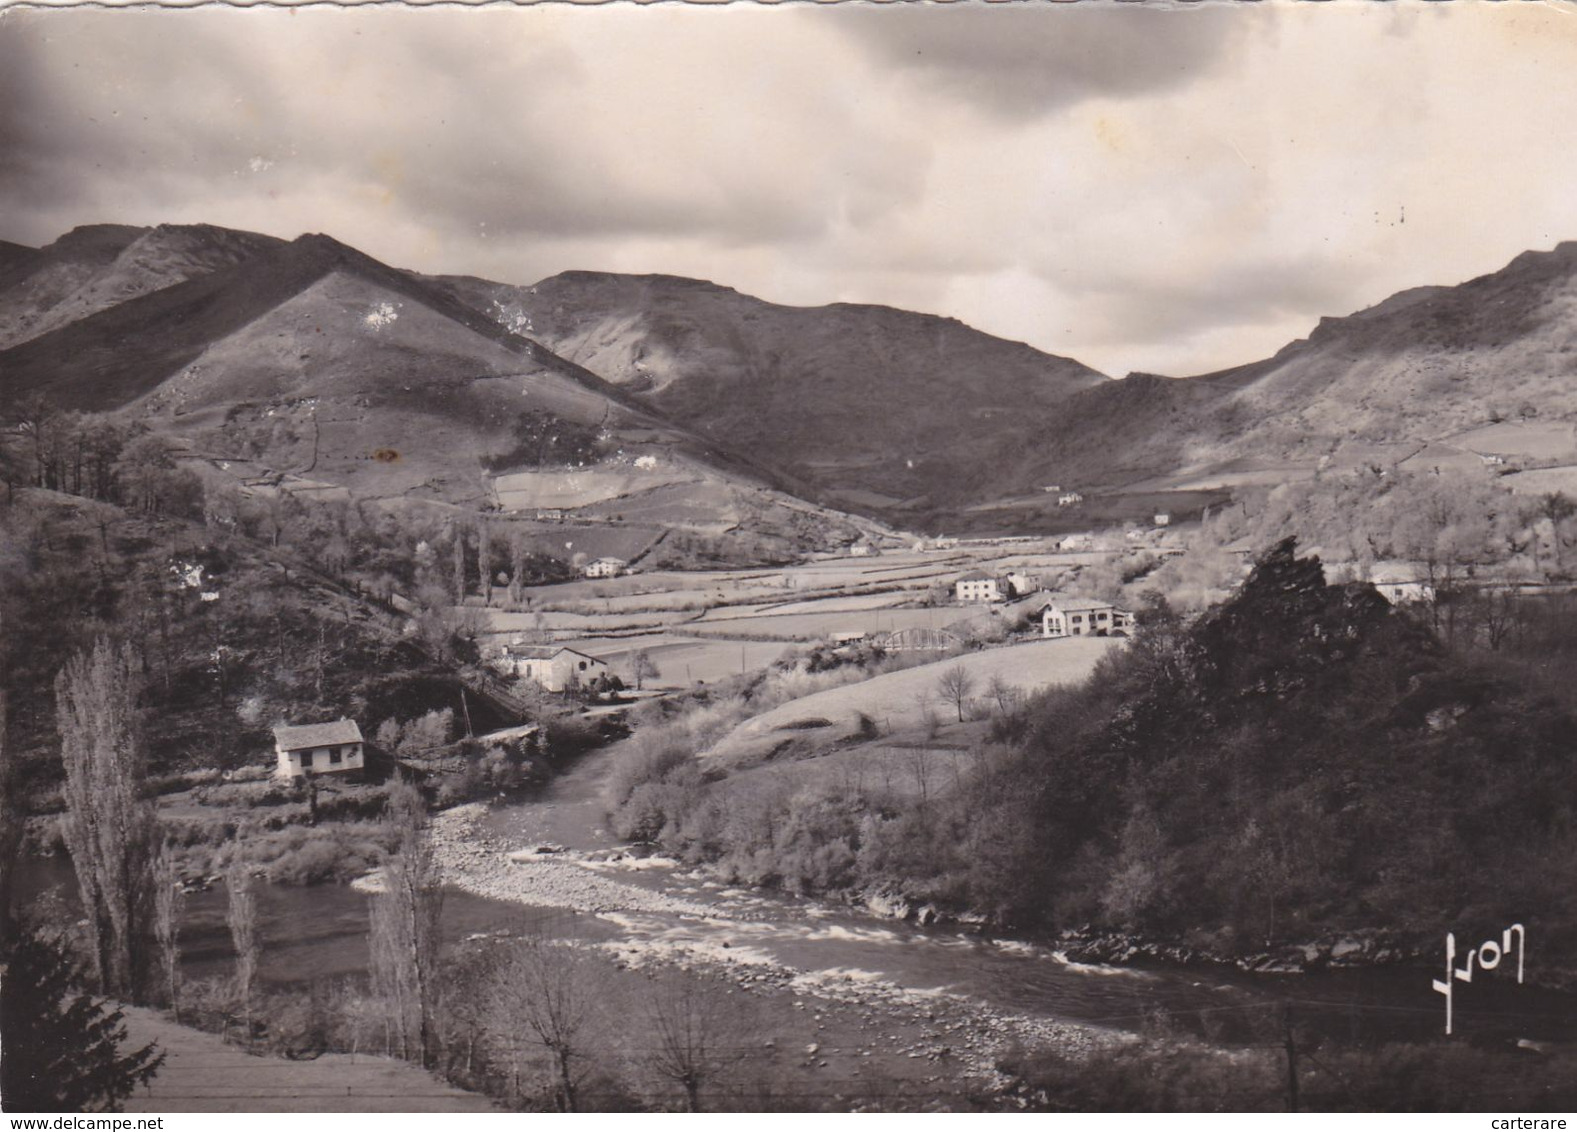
point(1423, 365)
point(874, 407)
point(312, 357)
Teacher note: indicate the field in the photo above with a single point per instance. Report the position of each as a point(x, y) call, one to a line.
point(1540, 481)
point(202, 1073)
point(899, 701)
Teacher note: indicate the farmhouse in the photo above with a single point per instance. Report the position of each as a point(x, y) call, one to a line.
point(318, 748)
point(552, 666)
point(605, 568)
point(1069, 499)
point(1022, 584)
point(977, 585)
point(1402, 583)
point(1083, 617)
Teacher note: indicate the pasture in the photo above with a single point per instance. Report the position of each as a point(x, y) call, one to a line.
point(901, 701)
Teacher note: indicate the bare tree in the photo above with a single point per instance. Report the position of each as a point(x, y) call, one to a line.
point(643, 668)
point(1005, 694)
point(546, 998)
point(110, 825)
point(697, 1034)
point(405, 936)
point(484, 556)
point(167, 901)
point(956, 685)
point(1557, 508)
point(459, 565)
point(241, 918)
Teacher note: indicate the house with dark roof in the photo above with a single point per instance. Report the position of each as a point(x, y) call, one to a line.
point(554, 667)
point(318, 748)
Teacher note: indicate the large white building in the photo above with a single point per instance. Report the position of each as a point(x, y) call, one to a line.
point(552, 666)
point(977, 585)
point(318, 748)
point(1084, 617)
point(605, 568)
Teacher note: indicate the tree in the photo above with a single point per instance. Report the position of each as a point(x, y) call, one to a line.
point(1557, 508)
point(168, 898)
point(62, 1051)
point(143, 470)
point(484, 557)
point(1005, 694)
point(404, 920)
point(546, 998)
point(241, 918)
point(643, 668)
point(956, 684)
point(110, 825)
point(697, 1034)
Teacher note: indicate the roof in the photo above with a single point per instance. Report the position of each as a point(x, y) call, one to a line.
point(544, 652)
point(609, 558)
point(977, 576)
point(299, 738)
point(1078, 605)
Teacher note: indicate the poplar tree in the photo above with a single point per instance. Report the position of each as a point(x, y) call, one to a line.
point(110, 824)
point(405, 930)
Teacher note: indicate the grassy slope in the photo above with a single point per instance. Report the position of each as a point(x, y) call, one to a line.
point(203, 1073)
point(893, 700)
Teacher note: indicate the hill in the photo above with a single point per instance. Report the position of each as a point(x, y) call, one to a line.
point(310, 357)
point(882, 410)
point(95, 267)
point(1430, 366)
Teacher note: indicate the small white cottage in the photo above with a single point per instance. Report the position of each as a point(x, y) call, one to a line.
point(318, 748)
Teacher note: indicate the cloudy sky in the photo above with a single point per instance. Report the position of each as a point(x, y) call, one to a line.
point(1143, 189)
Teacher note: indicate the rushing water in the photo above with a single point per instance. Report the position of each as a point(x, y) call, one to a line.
point(319, 932)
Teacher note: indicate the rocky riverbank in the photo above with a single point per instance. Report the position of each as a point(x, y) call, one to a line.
point(483, 865)
point(866, 1024)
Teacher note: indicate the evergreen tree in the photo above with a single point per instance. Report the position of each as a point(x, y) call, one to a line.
point(62, 1051)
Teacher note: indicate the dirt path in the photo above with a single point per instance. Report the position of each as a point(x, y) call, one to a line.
point(203, 1074)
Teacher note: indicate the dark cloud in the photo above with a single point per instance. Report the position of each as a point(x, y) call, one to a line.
point(1025, 60)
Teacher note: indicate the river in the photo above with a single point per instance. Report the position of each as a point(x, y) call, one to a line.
point(834, 956)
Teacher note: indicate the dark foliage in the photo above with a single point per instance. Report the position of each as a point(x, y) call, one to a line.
point(62, 1051)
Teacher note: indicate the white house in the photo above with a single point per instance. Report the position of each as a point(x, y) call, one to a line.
point(1083, 617)
point(1402, 583)
point(1069, 498)
point(977, 585)
point(1022, 584)
point(318, 748)
point(552, 666)
point(605, 567)
point(1163, 519)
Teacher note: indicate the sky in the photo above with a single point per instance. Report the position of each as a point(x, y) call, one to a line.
point(1142, 188)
